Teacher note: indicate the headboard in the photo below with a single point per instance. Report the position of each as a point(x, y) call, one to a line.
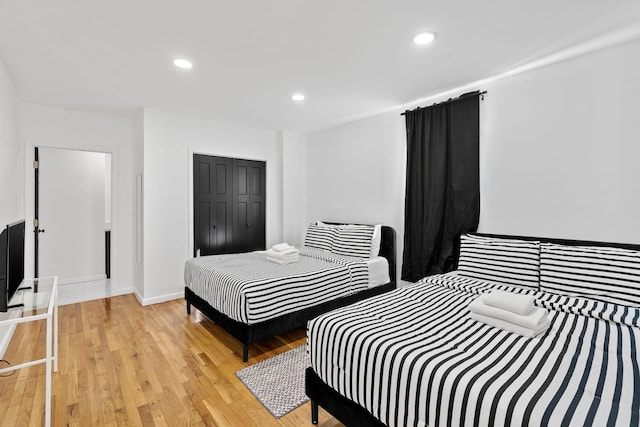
point(387, 246)
point(568, 242)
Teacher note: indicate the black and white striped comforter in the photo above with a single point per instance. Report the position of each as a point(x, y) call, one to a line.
point(250, 289)
point(414, 358)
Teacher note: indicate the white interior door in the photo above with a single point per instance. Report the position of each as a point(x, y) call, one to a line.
point(72, 213)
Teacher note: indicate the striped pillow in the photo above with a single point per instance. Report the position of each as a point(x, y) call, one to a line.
point(320, 237)
point(603, 273)
point(507, 261)
point(353, 241)
point(376, 241)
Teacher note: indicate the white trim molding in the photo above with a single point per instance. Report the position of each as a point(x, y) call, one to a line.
point(95, 278)
point(159, 299)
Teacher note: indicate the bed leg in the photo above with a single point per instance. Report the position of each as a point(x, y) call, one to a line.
point(314, 412)
point(188, 307)
point(245, 353)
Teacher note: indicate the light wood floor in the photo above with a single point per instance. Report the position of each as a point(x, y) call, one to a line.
point(123, 364)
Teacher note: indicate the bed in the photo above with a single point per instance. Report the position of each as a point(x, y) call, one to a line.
point(253, 299)
point(413, 357)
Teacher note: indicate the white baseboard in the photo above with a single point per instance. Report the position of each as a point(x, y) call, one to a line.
point(159, 299)
point(139, 297)
point(72, 294)
point(125, 291)
point(82, 279)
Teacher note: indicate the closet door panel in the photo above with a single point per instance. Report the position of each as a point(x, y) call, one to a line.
point(223, 220)
point(257, 200)
point(204, 220)
point(241, 172)
point(223, 186)
point(258, 225)
point(203, 203)
point(204, 178)
point(257, 177)
point(222, 234)
point(241, 226)
point(213, 199)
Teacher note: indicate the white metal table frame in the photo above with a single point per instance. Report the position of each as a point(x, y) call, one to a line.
point(51, 316)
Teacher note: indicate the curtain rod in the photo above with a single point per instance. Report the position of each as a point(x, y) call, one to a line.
point(464, 95)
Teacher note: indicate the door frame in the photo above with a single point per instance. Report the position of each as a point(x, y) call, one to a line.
point(206, 152)
point(29, 198)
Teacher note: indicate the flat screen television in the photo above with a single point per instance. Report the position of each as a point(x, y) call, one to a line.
point(11, 261)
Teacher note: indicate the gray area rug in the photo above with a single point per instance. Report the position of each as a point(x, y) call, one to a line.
point(278, 382)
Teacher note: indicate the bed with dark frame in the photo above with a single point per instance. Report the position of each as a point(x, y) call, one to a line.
point(248, 334)
point(354, 415)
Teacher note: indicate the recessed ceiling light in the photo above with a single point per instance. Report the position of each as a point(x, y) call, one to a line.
point(424, 38)
point(298, 97)
point(182, 63)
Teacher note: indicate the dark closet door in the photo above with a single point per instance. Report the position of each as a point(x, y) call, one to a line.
point(212, 205)
point(249, 205)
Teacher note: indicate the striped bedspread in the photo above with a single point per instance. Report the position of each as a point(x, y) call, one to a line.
point(414, 358)
point(250, 289)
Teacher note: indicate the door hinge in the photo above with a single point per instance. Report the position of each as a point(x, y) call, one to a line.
point(35, 164)
point(35, 223)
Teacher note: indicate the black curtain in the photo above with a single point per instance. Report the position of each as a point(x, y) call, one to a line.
point(442, 197)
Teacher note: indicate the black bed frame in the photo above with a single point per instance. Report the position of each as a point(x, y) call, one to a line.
point(352, 414)
point(249, 334)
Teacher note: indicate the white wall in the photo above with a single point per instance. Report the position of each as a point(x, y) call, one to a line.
point(138, 154)
point(72, 213)
point(53, 127)
point(294, 187)
point(11, 168)
point(355, 173)
point(11, 153)
point(107, 191)
point(559, 154)
point(170, 141)
point(560, 149)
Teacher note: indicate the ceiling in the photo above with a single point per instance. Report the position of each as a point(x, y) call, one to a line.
point(350, 57)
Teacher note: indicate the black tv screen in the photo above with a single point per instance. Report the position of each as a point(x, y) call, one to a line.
point(4, 264)
point(11, 261)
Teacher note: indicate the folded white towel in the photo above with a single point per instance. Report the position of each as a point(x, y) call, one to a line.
point(511, 327)
point(532, 320)
point(281, 247)
point(284, 255)
point(517, 303)
point(282, 261)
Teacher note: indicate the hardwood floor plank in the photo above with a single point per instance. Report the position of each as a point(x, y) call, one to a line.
point(122, 364)
point(37, 412)
point(72, 416)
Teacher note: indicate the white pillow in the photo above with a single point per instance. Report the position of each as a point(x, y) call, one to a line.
point(376, 241)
